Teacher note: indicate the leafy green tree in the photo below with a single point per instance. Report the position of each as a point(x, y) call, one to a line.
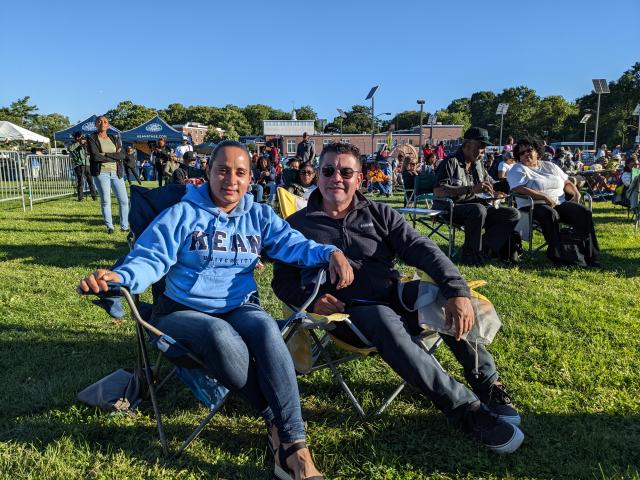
point(175, 114)
point(358, 120)
point(306, 113)
point(519, 120)
point(482, 107)
point(19, 112)
point(405, 120)
point(552, 114)
point(458, 112)
point(213, 135)
point(49, 124)
point(256, 114)
point(127, 115)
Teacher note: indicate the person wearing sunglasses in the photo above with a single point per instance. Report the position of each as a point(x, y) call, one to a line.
point(305, 182)
point(463, 179)
point(556, 199)
point(373, 235)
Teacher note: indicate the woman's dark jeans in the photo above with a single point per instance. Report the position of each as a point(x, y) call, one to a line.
point(245, 351)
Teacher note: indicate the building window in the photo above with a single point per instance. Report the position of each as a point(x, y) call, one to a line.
point(345, 140)
point(410, 141)
point(326, 141)
point(291, 147)
point(380, 143)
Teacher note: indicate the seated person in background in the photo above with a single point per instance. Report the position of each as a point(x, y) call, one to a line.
point(373, 235)
point(429, 166)
point(503, 167)
point(377, 180)
point(549, 187)
point(409, 172)
point(181, 174)
point(305, 184)
point(462, 178)
point(264, 174)
point(625, 180)
point(210, 303)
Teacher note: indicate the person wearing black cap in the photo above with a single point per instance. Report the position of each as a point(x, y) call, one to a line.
point(181, 174)
point(463, 179)
point(80, 158)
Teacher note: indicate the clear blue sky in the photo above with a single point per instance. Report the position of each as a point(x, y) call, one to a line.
point(77, 58)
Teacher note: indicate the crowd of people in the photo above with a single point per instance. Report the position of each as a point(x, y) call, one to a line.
point(211, 304)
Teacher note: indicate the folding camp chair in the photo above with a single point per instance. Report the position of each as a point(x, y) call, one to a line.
point(319, 329)
point(146, 204)
point(419, 210)
point(527, 225)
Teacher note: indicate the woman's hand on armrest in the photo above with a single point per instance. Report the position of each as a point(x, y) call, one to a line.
point(97, 281)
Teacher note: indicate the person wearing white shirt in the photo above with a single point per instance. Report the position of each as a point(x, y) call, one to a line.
point(549, 188)
point(183, 148)
point(505, 165)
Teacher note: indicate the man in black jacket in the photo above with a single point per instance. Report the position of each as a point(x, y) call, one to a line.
point(161, 154)
point(371, 235)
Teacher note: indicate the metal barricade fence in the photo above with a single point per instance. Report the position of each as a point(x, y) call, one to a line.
point(36, 177)
point(49, 176)
point(11, 177)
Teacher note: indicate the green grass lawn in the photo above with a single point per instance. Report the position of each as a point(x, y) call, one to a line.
point(569, 350)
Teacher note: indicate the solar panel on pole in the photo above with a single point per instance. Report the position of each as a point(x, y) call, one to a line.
point(585, 118)
point(600, 85)
point(370, 95)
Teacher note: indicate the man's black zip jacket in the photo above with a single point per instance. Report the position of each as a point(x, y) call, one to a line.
point(371, 235)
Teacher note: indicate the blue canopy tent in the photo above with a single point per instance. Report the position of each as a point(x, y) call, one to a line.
point(87, 127)
point(150, 131)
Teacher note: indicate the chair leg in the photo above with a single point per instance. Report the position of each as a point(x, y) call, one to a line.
point(337, 374)
point(200, 427)
point(152, 391)
point(391, 398)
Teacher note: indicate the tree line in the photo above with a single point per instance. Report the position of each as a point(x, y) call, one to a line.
point(553, 117)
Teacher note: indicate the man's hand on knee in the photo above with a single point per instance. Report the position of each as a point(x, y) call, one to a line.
point(459, 312)
point(327, 304)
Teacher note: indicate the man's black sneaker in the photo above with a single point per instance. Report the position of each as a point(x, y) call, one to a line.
point(499, 402)
point(109, 231)
point(482, 425)
point(472, 259)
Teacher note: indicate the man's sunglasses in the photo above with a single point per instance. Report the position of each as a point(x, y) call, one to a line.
point(345, 172)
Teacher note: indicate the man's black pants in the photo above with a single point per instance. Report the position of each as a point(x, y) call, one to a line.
point(498, 224)
point(82, 173)
point(391, 329)
point(159, 173)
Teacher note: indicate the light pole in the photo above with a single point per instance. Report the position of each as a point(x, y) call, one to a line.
point(433, 118)
point(600, 86)
point(342, 117)
point(501, 110)
point(370, 96)
point(636, 111)
point(584, 120)
point(380, 114)
point(420, 152)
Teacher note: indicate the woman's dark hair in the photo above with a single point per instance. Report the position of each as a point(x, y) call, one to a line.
point(226, 144)
point(304, 165)
point(260, 163)
point(431, 155)
point(628, 162)
point(528, 142)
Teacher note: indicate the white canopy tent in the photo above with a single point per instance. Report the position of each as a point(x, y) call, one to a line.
point(9, 131)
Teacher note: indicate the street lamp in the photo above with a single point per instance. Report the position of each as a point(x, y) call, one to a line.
point(342, 117)
point(420, 152)
point(370, 96)
point(433, 118)
point(600, 86)
point(636, 111)
point(501, 110)
point(584, 120)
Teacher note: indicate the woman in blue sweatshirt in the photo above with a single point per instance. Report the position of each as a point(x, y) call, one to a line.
point(208, 245)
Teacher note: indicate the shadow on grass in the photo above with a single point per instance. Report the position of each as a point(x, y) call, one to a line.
point(70, 255)
point(83, 219)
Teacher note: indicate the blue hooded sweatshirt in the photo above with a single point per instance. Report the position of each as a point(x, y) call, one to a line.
point(209, 256)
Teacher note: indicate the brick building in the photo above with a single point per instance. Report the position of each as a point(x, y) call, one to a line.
point(289, 132)
point(197, 131)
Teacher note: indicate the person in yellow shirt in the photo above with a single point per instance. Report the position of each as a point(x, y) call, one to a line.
point(378, 180)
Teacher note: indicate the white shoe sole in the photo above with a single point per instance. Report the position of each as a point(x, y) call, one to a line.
point(512, 445)
point(513, 419)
